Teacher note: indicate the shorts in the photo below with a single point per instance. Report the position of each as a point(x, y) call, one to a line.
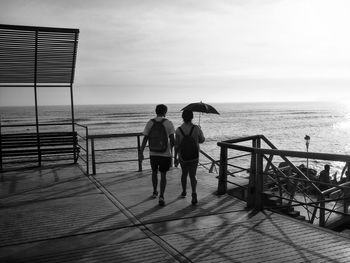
point(160, 163)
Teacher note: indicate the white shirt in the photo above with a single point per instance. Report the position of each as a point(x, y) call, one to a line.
point(169, 128)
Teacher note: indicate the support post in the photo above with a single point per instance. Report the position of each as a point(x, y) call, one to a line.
point(346, 201)
point(252, 180)
point(222, 184)
point(314, 214)
point(259, 183)
point(36, 97)
point(71, 88)
point(93, 156)
point(73, 121)
point(138, 152)
point(87, 150)
point(0, 147)
point(322, 222)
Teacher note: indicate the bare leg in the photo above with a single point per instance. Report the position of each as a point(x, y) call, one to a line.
point(184, 178)
point(162, 183)
point(154, 180)
point(192, 174)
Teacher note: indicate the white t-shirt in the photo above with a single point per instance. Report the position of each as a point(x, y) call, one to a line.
point(169, 127)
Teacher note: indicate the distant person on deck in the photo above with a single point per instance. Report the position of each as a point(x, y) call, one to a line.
point(188, 138)
point(159, 132)
point(324, 178)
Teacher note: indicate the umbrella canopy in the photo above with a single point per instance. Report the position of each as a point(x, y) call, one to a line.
point(201, 107)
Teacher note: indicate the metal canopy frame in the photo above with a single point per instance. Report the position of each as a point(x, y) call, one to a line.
point(38, 57)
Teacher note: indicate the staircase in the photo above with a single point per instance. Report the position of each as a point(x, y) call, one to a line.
point(274, 203)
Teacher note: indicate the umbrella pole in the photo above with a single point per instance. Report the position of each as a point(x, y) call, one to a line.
point(199, 118)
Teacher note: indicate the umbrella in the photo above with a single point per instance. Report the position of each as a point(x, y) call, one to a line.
point(201, 107)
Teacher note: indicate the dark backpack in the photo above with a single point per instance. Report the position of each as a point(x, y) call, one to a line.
point(188, 146)
point(158, 137)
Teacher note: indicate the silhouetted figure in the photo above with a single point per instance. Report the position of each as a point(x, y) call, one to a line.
point(159, 132)
point(324, 177)
point(188, 138)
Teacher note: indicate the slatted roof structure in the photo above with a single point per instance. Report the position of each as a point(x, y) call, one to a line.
point(38, 57)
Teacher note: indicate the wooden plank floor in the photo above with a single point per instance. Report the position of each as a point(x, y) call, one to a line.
point(60, 215)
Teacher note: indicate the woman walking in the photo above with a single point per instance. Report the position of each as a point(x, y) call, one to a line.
point(187, 139)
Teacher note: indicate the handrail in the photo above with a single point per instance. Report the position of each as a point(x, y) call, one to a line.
point(290, 163)
point(212, 161)
point(40, 124)
point(242, 139)
point(94, 137)
point(337, 188)
point(255, 189)
point(310, 155)
point(114, 135)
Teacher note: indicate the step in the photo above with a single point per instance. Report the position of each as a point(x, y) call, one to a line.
point(301, 218)
point(286, 210)
point(346, 232)
point(272, 201)
point(293, 213)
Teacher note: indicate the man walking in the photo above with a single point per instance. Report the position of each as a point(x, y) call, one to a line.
point(159, 132)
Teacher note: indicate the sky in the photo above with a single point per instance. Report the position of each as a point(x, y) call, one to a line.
point(181, 51)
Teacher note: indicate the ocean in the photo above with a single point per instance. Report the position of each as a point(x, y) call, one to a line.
point(285, 124)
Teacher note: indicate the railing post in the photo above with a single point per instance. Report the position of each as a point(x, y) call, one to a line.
point(322, 222)
point(87, 150)
point(313, 216)
point(0, 147)
point(259, 183)
point(346, 200)
point(138, 152)
point(93, 156)
point(75, 146)
point(251, 185)
point(222, 184)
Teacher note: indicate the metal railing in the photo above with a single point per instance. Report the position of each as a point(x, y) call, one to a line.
point(83, 144)
point(211, 166)
point(94, 151)
point(44, 130)
point(289, 186)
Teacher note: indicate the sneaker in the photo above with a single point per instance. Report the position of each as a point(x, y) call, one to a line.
point(194, 199)
point(183, 194)
point(161, 201)
point(155, 194)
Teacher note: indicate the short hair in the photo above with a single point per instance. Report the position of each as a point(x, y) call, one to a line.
point(327, 167)
point(187, 115)
point(161, 109)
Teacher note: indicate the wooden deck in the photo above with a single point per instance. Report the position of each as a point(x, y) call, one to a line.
point(60, 215)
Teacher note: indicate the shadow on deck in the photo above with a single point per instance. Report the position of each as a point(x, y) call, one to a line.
point(60, 215)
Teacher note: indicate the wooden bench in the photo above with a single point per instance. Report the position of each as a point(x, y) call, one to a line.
point(24, 147)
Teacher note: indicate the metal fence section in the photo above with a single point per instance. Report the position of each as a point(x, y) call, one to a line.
point(276, 182)
point(94, 139)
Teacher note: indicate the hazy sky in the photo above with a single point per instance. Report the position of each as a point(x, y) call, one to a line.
point(179, 51)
